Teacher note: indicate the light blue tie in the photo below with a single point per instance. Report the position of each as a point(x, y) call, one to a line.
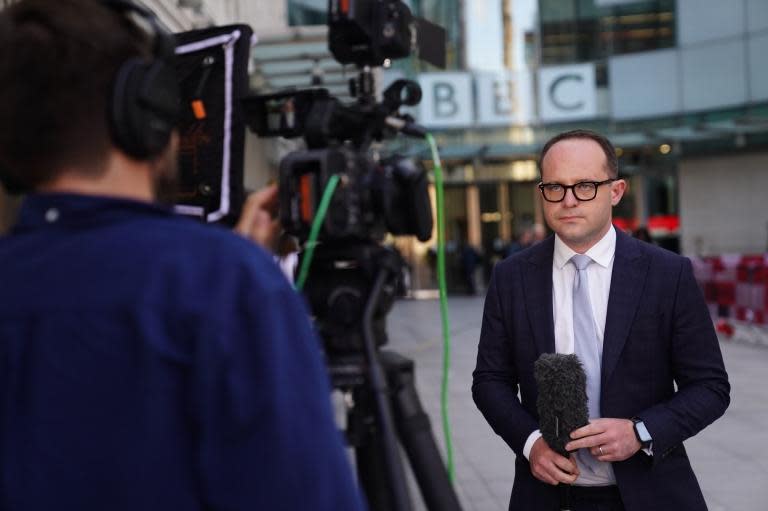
point(585, 343)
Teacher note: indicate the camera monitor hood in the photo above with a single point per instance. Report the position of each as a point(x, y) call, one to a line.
point(212, 67)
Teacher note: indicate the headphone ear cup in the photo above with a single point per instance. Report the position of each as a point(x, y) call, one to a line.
point(144, 107)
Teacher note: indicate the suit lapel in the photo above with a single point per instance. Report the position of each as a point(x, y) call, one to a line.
point(629, 271)
point(537, 286)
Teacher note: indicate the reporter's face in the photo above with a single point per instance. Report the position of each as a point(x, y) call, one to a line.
point(580, 224)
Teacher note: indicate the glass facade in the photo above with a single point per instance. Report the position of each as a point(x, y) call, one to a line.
point(447, 14)
point(582, 30)
point(307, 12)
point(521, 207)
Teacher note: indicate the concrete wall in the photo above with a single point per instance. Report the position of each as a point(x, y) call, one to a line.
point(723, 204)
point(266, 17)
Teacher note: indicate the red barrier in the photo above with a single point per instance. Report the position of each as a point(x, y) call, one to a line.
point(735, 286)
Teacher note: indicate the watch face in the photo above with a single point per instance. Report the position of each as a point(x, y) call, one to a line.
point(642, 432)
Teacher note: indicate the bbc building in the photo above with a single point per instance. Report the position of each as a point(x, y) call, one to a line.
point(679, 86)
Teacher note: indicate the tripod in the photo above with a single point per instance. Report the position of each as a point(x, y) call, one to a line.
point(385, 407)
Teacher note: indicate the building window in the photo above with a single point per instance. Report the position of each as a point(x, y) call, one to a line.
point(307, 12)
point(582, 30)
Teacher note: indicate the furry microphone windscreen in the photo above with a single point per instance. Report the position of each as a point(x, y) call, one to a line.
point(562, 400)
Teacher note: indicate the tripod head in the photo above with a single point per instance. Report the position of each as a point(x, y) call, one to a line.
point(339, 288)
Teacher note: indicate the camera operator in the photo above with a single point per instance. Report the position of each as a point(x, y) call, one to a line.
point(147, 362)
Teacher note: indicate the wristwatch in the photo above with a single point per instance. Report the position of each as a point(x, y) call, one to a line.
point(642, 434)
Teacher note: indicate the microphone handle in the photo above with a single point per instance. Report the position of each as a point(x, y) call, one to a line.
point(565, 497)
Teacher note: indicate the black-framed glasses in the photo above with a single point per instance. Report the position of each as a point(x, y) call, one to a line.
point(583, 190)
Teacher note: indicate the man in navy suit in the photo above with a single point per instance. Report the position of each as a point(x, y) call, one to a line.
point(659, 374)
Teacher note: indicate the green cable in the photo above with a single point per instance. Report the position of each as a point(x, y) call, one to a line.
point(440, 206)
point(314, 232)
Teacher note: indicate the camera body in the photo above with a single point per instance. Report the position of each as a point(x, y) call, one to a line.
point(375, 194)
point(372, 197)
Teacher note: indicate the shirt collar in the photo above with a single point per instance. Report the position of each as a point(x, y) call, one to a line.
point(601, 252)
point(66, 209)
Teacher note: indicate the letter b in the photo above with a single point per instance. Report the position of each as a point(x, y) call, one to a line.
point(443, 100)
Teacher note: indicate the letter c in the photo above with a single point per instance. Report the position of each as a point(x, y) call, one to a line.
point(553, 92)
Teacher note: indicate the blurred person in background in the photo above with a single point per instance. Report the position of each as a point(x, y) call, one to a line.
point(469, 259)
point(148, 362)
point(539, 232)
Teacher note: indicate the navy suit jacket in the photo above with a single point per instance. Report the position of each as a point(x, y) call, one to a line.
point(658, 334)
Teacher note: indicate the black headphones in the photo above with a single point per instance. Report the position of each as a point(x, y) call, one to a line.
point(144, 103)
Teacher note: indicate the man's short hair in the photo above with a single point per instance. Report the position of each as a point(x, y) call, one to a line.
point(612, 161)
point(59, 59)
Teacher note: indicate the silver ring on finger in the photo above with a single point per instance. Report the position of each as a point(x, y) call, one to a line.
point(600, 448)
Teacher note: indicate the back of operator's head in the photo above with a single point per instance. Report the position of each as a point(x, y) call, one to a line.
point(58, 65)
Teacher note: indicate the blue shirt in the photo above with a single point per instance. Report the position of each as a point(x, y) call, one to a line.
point(148, 362)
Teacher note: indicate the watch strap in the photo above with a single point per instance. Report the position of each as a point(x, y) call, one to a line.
point(644, 442)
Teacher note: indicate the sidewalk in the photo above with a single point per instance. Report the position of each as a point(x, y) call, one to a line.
point(730, 457)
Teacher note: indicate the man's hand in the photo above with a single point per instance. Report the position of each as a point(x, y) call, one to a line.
point(606, 439)
point(257, 221)
point(550, 467)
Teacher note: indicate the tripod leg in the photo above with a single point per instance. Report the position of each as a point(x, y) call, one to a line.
point(369, 455)
point(386, 435)
point(415, 433)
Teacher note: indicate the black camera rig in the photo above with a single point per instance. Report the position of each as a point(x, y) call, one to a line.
point(353, 280)
point(376, 195)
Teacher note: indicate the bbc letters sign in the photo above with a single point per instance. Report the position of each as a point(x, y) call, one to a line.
point(567, 93)
point(503, 98)
point(446, 100)
point(461, 100)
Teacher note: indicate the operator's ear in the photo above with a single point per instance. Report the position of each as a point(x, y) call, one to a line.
point(618, 188)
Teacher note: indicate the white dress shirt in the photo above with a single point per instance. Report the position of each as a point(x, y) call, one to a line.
point(599, 276)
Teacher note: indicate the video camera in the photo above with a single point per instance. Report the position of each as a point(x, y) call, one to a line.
point(353, 281)
point(376, 195)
